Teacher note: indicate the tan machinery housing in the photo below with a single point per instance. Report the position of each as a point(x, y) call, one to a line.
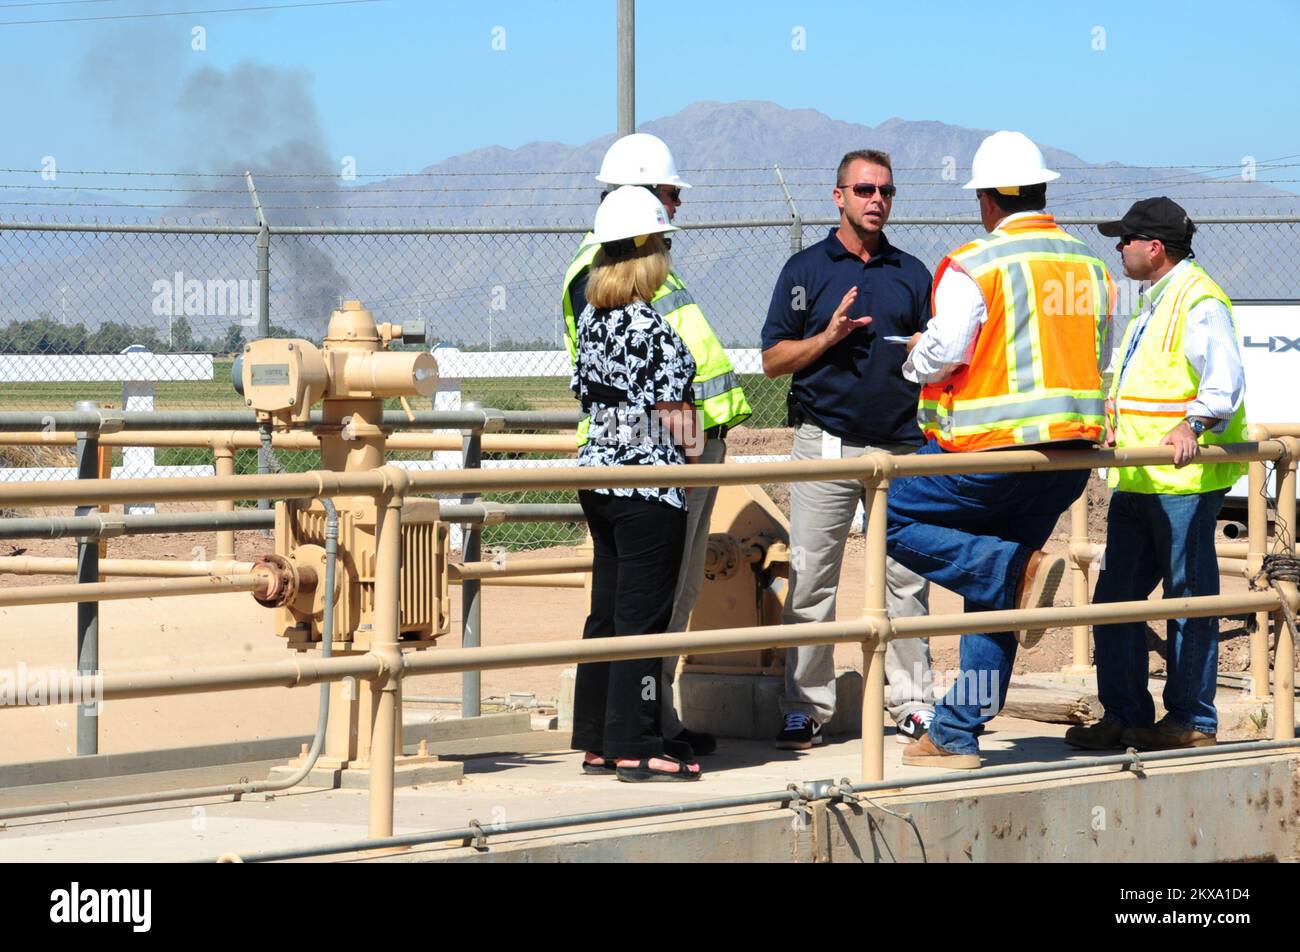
point(746, 570)
point(351, 375)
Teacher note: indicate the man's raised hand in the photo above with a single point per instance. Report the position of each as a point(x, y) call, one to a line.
point(841, 325)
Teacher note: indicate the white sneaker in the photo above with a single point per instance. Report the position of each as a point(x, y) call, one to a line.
point(915, 726)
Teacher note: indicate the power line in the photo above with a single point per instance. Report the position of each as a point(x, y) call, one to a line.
point(53, 3)
point(1103, 167)
point(182, 13)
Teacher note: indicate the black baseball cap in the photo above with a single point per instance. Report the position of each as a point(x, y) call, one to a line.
point(1161, 218)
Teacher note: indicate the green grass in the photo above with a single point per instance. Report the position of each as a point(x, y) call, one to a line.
point(503, 393)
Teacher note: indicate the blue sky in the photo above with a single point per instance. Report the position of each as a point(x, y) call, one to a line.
point(403, 83)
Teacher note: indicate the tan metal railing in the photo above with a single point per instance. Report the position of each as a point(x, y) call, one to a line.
point(386, 665)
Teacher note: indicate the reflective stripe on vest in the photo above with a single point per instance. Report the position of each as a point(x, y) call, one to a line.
point(671, 301)
point(1158, 388)
point(1033, 376)
point(718, 393)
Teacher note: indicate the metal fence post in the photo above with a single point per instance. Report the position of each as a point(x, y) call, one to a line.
point(471, 605)
point(263, 312)
point(87, 572)
point(796, 220)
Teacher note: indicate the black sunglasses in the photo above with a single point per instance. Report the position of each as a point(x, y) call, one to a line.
point(866, 190)
point(1123, 242)
point(672, 191)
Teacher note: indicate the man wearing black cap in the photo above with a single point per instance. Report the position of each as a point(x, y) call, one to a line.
point(1178, 381)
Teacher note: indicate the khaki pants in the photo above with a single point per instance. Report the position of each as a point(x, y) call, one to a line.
point(820, 517)
point(699, 510)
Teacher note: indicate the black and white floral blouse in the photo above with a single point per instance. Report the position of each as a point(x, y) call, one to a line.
point(629, 359)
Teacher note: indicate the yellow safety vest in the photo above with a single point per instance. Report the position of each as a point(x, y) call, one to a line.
point(1158, 389)
point(718, 394)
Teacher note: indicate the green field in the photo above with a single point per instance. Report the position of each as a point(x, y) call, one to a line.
point(503, 393)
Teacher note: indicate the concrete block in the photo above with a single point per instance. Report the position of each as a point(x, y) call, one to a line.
point(748, 705)
point(359, 778)
point(565, 695)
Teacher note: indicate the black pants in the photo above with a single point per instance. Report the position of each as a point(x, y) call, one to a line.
point(637, 554)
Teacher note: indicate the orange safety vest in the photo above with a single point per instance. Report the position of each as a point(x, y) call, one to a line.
point(1034, 376)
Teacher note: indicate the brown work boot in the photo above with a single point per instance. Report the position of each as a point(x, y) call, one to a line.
point(1104, 735)
point(1166, 735)
point(1037, 589)
point(924, 753)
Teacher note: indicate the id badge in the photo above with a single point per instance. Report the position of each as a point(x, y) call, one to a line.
point(831, 446)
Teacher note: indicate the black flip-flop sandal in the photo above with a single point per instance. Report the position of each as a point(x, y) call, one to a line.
point(644, 773)
point(607, 765)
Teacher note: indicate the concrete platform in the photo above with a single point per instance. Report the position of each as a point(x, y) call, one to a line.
point(1231, 807)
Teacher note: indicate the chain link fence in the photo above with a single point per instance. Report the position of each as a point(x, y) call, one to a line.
point(123, 314)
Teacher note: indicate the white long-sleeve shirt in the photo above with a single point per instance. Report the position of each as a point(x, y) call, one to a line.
point(949, 339)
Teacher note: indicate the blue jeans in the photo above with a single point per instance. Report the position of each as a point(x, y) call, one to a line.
point(973, 534)
point(1169, 539)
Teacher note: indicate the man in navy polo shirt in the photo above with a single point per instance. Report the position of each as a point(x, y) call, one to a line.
point(833, 308)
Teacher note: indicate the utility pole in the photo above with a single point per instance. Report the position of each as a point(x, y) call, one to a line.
point(626, 26)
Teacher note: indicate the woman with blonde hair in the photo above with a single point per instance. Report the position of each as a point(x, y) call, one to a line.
point(633, 377)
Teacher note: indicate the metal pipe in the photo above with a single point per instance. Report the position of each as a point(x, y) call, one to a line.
point(219, 440)
point(101, 525)
point(869, 466)
point(495, 512)
point(1284, 653)
point(386, 726)
point(1081, 654)
point(1257, 546)
point(493, 657)
point(97, 526)
point(87, 576)
point(873, 649)
point(534, 581)
point(1232, 550)
point(1235, 568)
point(885, 787)
point(235, 790)
point(152, 568)
point(306, 670)
point(83, 592)
point(225, 467)
point(517, 568)
point(471, 591)
point(36, 421)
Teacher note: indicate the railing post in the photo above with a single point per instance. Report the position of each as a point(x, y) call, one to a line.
point(1257, 547)
point(471, 603)
point(1284, 655)
point(386, 724)
point(87, 572)
point(225, 466)
point(873, 651)
point(1079, 566)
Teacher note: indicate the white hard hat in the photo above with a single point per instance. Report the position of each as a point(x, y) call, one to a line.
point(630, 212)
point(639, 159)
point(1007, 159)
